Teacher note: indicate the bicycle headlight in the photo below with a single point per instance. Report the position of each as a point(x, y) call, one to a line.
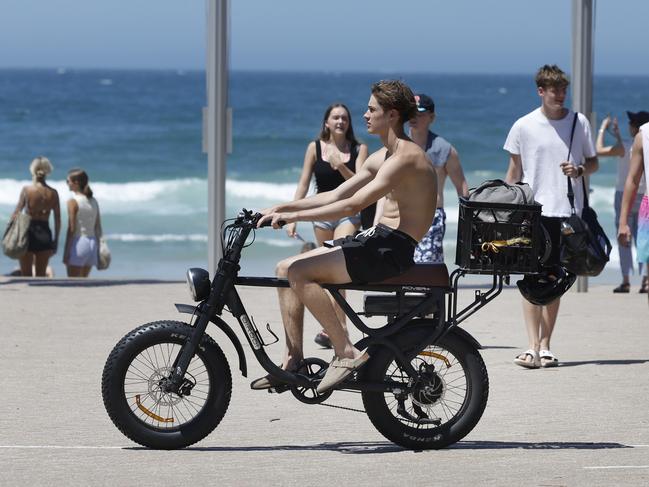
point(198, 281)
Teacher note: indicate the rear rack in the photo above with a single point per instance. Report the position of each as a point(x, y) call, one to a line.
point(480, 300)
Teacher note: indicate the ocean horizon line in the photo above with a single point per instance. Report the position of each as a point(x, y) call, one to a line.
point(179, 70)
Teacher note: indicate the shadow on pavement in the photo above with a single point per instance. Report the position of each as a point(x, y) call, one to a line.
point(545, 445)
point(387, 447)
point(349, 447)
point(604, 362)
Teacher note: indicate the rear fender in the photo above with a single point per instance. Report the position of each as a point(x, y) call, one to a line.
point(225, 328)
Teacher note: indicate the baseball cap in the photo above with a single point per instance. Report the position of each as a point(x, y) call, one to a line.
point(424, 103)
point(638, 119)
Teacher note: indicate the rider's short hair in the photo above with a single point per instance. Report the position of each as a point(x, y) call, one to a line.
point(551, 76)
point(395, 94)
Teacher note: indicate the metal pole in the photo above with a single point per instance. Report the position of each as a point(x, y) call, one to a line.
point(217, 133)
point(582, 73)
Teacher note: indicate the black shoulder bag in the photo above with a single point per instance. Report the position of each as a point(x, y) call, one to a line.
point(584, 245)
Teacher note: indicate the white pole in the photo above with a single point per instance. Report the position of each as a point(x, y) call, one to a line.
point(217, 133)
point(582, 73)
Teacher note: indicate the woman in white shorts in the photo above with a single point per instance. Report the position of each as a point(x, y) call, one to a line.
point(332, 158)
point(84, 226)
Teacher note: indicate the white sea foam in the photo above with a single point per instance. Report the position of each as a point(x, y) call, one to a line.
point(195, 237)
point(163, 197)
point(256, 189)
point(188, 197)
point(167, 237)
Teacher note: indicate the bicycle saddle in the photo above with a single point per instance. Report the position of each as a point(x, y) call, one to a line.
point(429, 275)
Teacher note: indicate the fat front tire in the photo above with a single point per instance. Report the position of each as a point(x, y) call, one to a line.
point(445, 403)
point(139, 407)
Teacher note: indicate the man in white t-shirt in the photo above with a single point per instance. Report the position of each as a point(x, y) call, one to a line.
point(639, 165)
point(538, 146)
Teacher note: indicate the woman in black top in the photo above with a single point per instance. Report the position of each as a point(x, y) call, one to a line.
point(332, 158)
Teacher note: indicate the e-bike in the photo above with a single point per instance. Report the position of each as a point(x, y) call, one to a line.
point(167, 384)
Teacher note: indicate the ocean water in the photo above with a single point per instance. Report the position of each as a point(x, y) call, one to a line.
point(138, 135)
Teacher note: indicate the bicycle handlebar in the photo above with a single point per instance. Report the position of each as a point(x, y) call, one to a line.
point(268, 223)
point(248, 218)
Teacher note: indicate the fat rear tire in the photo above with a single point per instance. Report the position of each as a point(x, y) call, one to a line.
point(458, 417)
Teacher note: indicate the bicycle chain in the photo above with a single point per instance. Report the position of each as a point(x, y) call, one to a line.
point(342, 407)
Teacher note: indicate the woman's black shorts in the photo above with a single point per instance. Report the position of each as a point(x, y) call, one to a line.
point(39, 236)
point(376, 254)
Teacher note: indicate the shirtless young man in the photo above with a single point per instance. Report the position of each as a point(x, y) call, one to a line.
point(401, 172)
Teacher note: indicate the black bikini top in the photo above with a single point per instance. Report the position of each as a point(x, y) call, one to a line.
point(327, 178)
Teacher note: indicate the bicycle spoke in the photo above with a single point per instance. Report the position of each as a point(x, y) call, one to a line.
point(144, 394)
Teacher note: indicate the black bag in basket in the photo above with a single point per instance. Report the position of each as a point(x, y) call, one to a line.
point(584, 245)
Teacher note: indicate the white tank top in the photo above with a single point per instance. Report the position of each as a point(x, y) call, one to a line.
point(86, 216)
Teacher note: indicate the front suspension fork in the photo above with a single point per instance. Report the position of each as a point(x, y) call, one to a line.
point(213, 305)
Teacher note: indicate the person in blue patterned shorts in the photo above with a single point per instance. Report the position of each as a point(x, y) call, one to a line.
point(446, 162)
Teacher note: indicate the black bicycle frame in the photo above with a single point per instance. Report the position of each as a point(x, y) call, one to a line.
point(223, 293)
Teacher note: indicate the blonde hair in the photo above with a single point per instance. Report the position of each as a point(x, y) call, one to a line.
point(40, 167)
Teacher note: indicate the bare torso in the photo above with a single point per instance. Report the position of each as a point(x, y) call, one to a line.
point(410, 205)
point(41, 200)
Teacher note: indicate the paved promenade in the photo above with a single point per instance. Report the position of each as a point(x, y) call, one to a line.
point(585, 423)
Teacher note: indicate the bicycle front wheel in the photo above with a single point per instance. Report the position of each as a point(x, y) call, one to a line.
point(139, 407)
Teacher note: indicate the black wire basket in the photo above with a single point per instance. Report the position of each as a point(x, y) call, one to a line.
point(498, 238)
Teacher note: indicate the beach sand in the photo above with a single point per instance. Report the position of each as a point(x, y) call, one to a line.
point(583, 423)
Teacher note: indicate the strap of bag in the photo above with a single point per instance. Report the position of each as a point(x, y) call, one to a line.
point(571, 194)
point(318, 153)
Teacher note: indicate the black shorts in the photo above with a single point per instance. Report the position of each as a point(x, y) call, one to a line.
point(552, 225)
point(377, 254)
point(39, 236)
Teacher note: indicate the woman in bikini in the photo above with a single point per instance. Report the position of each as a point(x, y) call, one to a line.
point(39, 200)
point(332, 158)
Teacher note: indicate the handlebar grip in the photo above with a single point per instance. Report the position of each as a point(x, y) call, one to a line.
point(268, 223)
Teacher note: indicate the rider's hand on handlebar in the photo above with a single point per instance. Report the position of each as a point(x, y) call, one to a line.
point(266, 211)
point(275, 220)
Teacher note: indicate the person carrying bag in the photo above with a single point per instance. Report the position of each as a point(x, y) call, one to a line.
point(585, 248)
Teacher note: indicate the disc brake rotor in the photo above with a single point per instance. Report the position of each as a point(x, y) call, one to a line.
point(155, 388)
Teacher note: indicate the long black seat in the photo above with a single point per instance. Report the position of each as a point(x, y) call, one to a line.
point(427, 275)
point(430, 275)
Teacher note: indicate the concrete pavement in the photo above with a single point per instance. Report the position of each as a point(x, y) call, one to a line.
point(583, 423)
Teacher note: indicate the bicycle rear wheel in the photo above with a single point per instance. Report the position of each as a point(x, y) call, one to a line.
point(446, 400)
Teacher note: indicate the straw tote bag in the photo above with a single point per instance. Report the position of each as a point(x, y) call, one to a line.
point(103, 255)
point(15, 240)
